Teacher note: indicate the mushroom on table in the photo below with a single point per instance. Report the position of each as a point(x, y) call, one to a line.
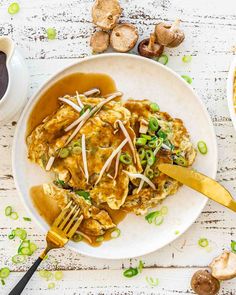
point(100, 41)
point(150, 48)
point(223, 267)
point(105, 13)
point(169, 35)
point(203, 283)
point(124, 37)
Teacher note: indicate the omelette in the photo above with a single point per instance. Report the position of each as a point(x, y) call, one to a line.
point(104, 153)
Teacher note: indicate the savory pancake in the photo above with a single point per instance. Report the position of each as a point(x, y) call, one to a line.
point(105, 154)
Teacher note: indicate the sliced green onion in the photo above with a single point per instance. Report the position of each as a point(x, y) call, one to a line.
point(158, 220)
point(187, 79)
point(115, 233)
point(27, 219)
point(64, 153)
point(176, 232)
point(169, 144)
point(100, 239)
point(58, 275)
point(48, 275)
point(130, 272)
point(149, 173)
point(84, 194)
point(141, 153)
point(8, 210)
point(202, 147)
point(187, 58)
point(3, 282)
point(77, 238)
point(18, 258)
point(148, 137)
point(153, 124)
point(85, 108)
point(203, 242)
point(152, 282)
point(153, 143)
point(140, 266)
point(13, 8)
point(33, 247)
point(4, 272)
point(51, 285)
point(141, 141)
point(181, 161)
point(164, 210)
point(159, 144)
point(154, 107)
point(233, 246)
point(162, 134)
point(51, 33)
point(14, 216)
point(143, 162)
point(21, 233)
point(163, 59)
point(25, 251)
point(11, 236)
point(125, 158)
point(150, 157)
point(151, 216)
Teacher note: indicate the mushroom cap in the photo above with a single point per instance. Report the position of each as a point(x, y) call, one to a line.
point(223, 267)
point(203, 283)
point(99, 41)
point(124, 37)
point(169, 36)
point(144, 50)
point(105, 13)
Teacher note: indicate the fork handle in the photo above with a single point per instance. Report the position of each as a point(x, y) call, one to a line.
point(24, 281)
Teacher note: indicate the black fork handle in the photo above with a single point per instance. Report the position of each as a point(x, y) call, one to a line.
point(24, 281)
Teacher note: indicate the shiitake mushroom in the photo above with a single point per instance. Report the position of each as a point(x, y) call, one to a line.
point(203, 283)
point(169, 35)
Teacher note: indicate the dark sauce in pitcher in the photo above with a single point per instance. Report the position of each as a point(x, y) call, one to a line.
point(3, 74)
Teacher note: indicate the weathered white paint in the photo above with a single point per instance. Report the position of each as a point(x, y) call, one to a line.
point(210, 28)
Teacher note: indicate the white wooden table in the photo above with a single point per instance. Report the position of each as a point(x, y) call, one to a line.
point(210, 28)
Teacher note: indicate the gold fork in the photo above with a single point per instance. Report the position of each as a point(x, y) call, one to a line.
point(63, 228)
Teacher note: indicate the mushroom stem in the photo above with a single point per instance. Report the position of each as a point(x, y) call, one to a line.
point(175, 25)
point(152, 40)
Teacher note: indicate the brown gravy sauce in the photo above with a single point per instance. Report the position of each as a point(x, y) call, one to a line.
point(81, 82)
point(4, 79)
point(47, 105)
point(49, 210)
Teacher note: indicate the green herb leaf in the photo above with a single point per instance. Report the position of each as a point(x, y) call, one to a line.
point(85, 195)
point(233, 246)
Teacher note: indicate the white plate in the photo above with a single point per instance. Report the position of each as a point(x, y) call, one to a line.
point(230, 86)
point(138, 78)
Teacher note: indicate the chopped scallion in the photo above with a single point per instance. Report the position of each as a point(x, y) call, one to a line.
point(14, 216)
point(8, 210)
point(51, 33)
point(84, 194)
point(162, 134)
point(187, 58)
point(13, 8)
point(126, 159)
point(140, 266)
point(64, 153)
point(163, 59)
point(27, 218)
point(233, 246)
point(203, 242)
point(18, 258)
point(58, 275)
point(100, 239)
point(130, 272)
point(150, 157)
point(202, 147)
point(115, 233)
point(181, 161)
point(154, 107)
point(51, 285)
point(164, 210)
point(3, 282)
point(187, 79)
point(77, 238)
point(4, 272)
point(141, 141)
point(141, 153)
point(153, 124)
point(152, 282)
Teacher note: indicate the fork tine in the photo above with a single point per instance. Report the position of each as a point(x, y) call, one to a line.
point(75, 227)
point(64, 222)
point(61, 215)
point(68, 226)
